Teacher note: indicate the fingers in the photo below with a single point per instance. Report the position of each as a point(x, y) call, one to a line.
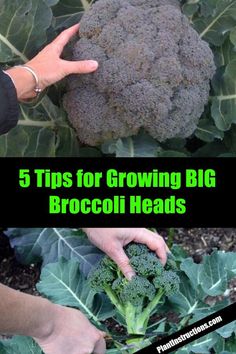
point(154, 242)
point(79, 67)
point(121, 259)
point(100, 347)
point(64, 37)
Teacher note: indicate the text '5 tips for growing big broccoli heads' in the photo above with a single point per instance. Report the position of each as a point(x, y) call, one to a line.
point(124, 190)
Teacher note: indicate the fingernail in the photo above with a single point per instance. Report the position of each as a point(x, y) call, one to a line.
point(93, 64)
point(130, 275)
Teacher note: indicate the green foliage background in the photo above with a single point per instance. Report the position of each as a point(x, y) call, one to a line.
point(43, 130)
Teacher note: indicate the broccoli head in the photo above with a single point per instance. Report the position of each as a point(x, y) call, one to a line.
point(168, 281)
point(137, 299)
point(154, 72)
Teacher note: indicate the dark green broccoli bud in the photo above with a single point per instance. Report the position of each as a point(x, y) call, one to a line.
point(136, 249)
point(101, 277)
point(118, 285)
point(169, 282)
point(137, 290)
point(147, 265)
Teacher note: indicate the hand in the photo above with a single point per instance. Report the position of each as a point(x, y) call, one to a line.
point(72, 333)
point(112, 241)
point(49, 66)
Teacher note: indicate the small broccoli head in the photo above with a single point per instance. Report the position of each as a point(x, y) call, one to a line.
point(137, 290)
point(154, 72)
point(136, 249)
point(169, 281)
point(147, 265)
point(101, 277)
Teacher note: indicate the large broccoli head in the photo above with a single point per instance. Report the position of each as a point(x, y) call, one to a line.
point(154, 72)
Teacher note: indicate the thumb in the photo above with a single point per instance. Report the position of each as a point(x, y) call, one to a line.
point(121, 259)
point(80, 67)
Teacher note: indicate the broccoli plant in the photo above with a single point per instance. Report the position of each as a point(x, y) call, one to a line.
point(172, 297)
point(136, 300)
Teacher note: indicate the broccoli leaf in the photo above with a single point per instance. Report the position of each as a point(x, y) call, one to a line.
point(204, 344)
point(141, 145)
point(224, 100)
point(42, 131)
point(213, 277)
point(49, 244)
point(227, 330)
point(218, 18)
point(64, 284)
point(207, 131)
point(23, 25)
point(19, 344)
point(68, 12)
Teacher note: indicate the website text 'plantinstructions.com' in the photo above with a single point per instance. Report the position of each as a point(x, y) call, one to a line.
point(191, 334)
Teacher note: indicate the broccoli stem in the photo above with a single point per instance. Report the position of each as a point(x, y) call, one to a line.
point(131, 319)
point(115, 301)
point(141, 322)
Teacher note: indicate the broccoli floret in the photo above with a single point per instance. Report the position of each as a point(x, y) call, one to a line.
point(154, 72)
point(137, 291)
point(169, 281)
point(136, 249)
point(137, 299)
point(147, 265)
point(101, 277)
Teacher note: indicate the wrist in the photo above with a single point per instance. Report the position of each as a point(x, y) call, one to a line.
point(45, 322)
point(23, 81)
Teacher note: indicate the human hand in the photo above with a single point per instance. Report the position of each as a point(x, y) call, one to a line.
point(49, 67)
point(112, 240)
point(71, 333)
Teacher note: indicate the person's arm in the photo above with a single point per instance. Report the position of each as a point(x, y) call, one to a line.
point(112, 241)
point(18, 84)
point(57, 329)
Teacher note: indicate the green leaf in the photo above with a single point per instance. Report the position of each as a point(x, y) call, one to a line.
point(186, 300)
point(229, 260)
point(64, 284)
point(212, 275)
point(42, 131)
point(220, 18)
point(204, 344)
point(233, 36)
point(50, 244)
point(193, 272)
point(190, 9)
point(19, 344)
point(213, 149)
point(141, 145)
point(227, 331)
point(69, 12)
point(23, 26)
point(171, 153)
point(230, 139)
point(224, 54)
point(224, 100)
point(208, 132)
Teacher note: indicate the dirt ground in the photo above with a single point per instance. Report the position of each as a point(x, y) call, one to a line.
point(196, 242)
